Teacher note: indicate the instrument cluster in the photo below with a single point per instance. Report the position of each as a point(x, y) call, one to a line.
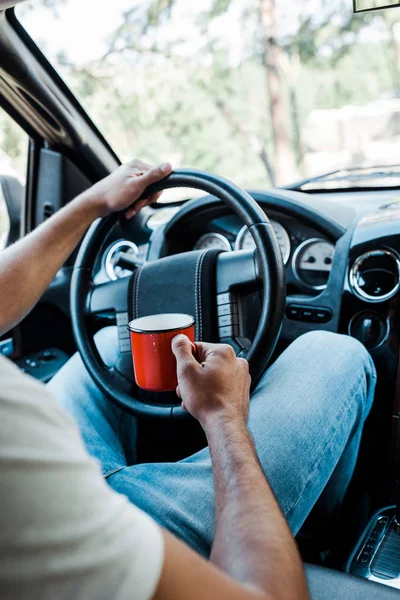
point(311, 259)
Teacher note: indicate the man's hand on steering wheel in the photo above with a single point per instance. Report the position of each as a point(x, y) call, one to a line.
point(122, 189)
point(38, 256)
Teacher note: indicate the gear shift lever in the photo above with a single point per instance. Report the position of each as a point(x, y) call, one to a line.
point(377, 555)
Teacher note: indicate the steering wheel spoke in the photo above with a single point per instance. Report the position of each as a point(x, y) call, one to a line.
point(109, 297)
point(235, 269)
point(113, 297)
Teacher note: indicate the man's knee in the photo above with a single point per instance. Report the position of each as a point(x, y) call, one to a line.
point(107, 344)
point(341, 355)
point(334, 346)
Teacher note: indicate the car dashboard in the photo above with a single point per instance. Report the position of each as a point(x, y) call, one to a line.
point(342, 267)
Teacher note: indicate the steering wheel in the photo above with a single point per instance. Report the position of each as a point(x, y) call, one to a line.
point(233, 269)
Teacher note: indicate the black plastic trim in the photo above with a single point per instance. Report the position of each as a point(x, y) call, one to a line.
point(47, 66)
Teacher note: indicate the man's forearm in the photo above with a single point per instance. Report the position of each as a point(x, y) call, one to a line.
point(252, 540)
point(28, 267)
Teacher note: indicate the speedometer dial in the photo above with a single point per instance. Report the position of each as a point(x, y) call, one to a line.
point(213, 241)
point(312, 262)
point(244, 240)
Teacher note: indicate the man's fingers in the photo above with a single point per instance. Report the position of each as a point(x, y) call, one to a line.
point(153, 199)
point(145, 202)
point(198, 352)
point(156, 174)
point(204, 349)
point(131, 212)
point(182, 348)
point(137, 207)
point(146, 178)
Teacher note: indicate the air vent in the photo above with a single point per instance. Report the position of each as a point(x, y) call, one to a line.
point(375, 275)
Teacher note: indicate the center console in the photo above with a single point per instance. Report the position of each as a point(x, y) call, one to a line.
point(376, 557)
point(41, 365)
point(7, 345)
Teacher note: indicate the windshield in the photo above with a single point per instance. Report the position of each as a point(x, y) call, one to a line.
point(264, 92)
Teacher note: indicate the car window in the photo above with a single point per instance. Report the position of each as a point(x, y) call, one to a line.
point(264, 92)
point(13, 163)
point(4, 220)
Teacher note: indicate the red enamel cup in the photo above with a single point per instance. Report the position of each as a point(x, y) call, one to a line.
point(153, 359)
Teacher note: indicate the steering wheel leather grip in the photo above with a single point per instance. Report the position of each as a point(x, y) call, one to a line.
point(87, 299)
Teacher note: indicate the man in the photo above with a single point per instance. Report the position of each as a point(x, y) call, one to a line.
point(65, 533)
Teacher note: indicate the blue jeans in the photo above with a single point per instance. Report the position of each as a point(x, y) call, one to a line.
point(306, 416)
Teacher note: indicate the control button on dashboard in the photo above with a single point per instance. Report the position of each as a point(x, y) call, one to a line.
point(7, 347)
point(228, 320)
point(122, 319)
point(123, 332)
point(309, 315)
point(294, 312)
point(323, 316)
point(124, 345)
point(226, 298)
point(228, 331)
point(380, 526)
point(227, 309)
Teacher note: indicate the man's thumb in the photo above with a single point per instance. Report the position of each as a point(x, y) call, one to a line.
point(182, 348)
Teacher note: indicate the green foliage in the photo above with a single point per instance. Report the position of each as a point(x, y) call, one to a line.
point(51, 5)
point(218, 8)
point(11, 139)
point(13, 146)
point(13, 161)
point(196, 98)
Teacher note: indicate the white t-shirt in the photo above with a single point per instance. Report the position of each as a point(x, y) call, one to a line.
point(64, 533)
